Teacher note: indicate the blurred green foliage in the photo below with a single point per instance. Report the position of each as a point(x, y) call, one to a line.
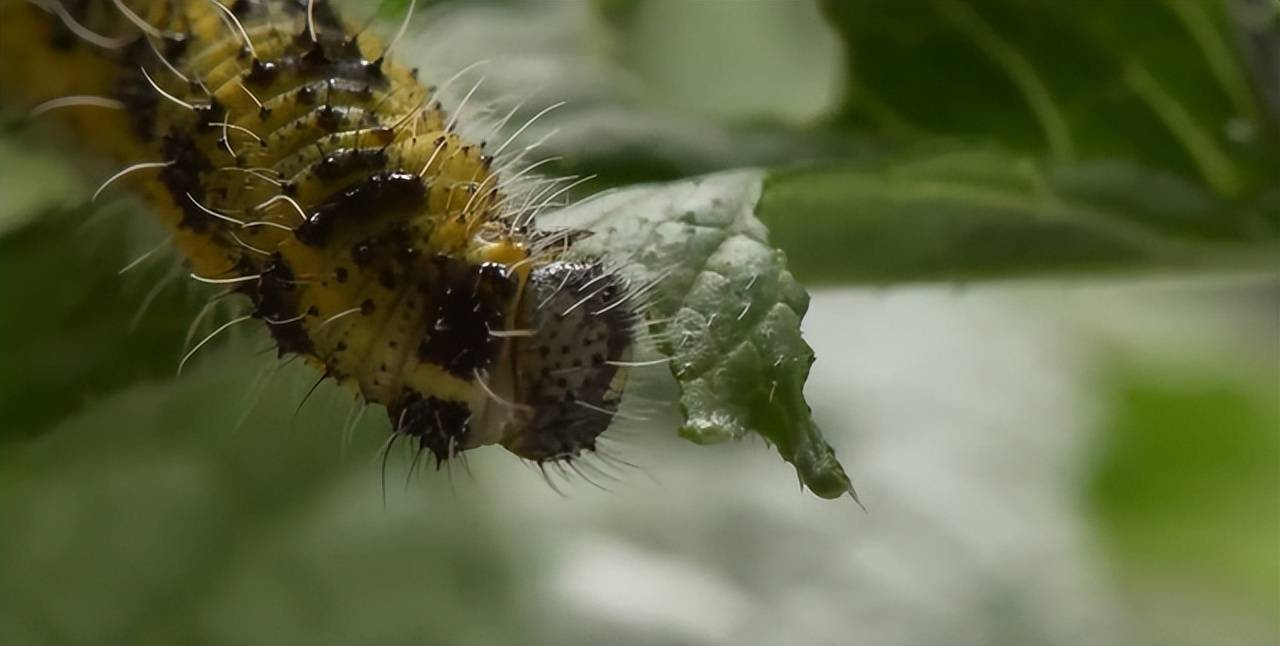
point(1187, 491)
point(77, 329)
point(147, 521)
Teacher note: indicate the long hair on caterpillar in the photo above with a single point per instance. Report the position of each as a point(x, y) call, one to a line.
point(300, 169)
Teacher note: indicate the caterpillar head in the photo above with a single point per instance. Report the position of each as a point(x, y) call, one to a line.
point(567, 374)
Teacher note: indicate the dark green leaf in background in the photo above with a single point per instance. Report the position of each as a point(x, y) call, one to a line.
point(75, 329)
point(965, 214)
point(1158, 83)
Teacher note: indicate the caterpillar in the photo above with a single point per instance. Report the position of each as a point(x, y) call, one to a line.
point(296, 164)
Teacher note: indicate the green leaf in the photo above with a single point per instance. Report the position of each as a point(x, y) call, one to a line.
point(72, 328)
point(1156, 82)
point(968, 214)
point(32, 182)
point(732, 311)
point(1184, 487)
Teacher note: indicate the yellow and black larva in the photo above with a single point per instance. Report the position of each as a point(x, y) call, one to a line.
point(295, 163)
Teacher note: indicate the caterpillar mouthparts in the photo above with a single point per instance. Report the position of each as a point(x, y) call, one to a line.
point(295, 163)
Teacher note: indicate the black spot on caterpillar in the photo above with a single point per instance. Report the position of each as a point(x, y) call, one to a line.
point(296, 164)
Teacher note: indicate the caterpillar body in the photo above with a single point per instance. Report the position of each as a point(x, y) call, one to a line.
point(294, 162)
